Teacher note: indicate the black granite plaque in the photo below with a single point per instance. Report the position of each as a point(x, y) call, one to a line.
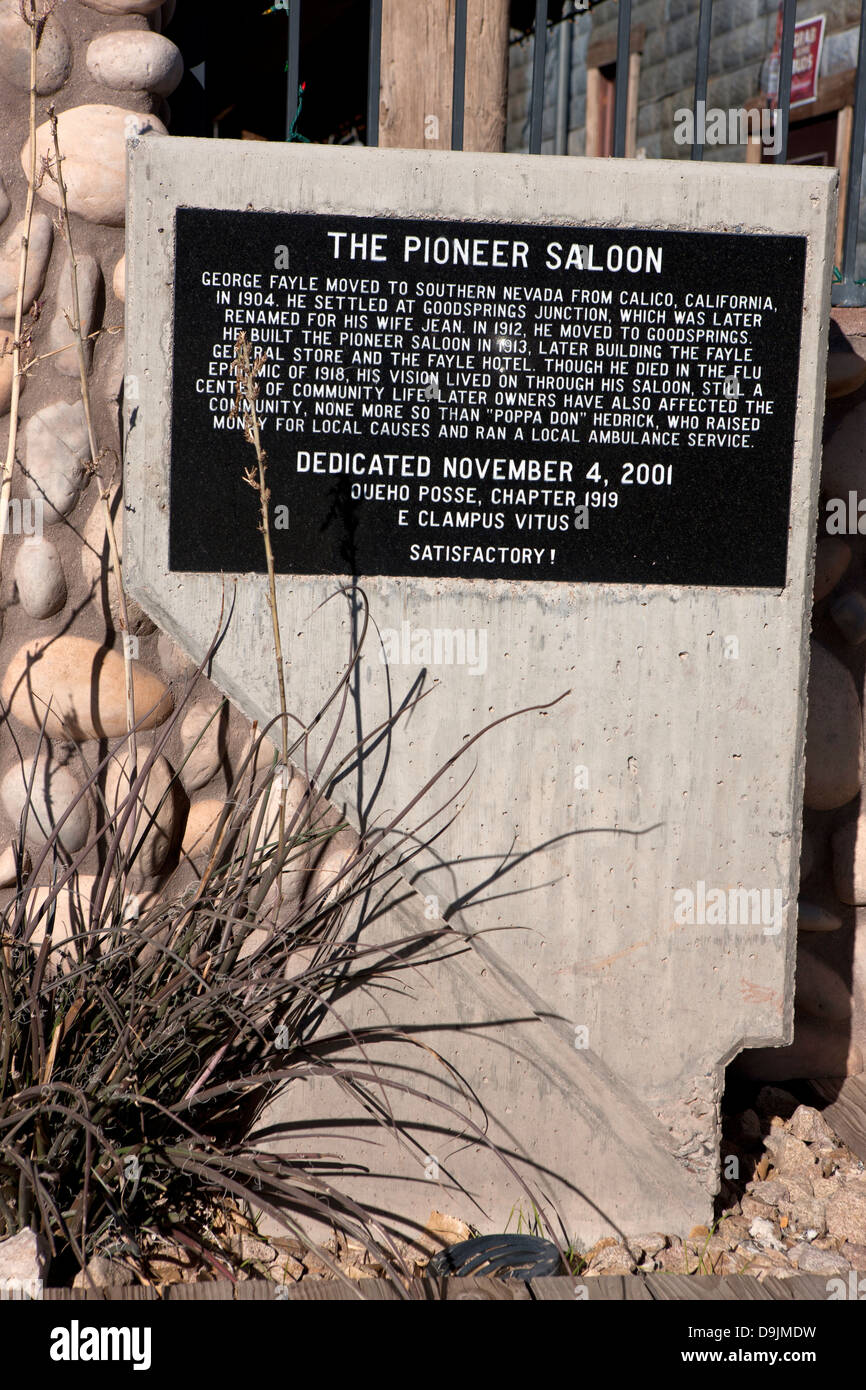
point(487, 400)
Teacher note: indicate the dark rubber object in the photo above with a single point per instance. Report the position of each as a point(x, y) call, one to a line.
point(514, 1257)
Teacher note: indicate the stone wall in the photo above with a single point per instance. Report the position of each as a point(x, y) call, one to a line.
point(108, 68)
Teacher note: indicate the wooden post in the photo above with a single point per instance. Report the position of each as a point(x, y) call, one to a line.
point(844, 128)
point(417, 70)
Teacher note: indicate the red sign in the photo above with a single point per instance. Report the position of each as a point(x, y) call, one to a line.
point(808, 43)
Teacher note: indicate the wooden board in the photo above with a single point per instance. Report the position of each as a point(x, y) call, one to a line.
point(417, 75)
point(661, 1288)
point(735, 1288)
point(844, 1109)
point(603, 1288)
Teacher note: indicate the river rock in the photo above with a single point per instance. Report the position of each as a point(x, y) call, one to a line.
point(820, 991)
point(805, 1214)
point(295, 877)
point(156, 817)
point(807, 1259)
point(72, 933)
point(808, 853)
point(102, 1273)
point(832, 558)
point(792, 1159)
point(60, 334)
point(85, 685)
point(200, 826)
point(809, 1125)
point(848, 612)
point(39, 251)
point(53, 55)
point(135, 60)
point(92, 140)
point(54, 790)
point(23, 1261)
point(818, 1051)
point(612, 1260)
point(328, 876)
point(56, 450)
point(833, 734)
point(769, 1193)
point(123, 6)
point(843, 469)
point(846, 373)
point(5, 203)
point(813, 917)
point(174, 662)
point(200, 737)
point(98, 570)
point(849, 861)
point(39, 577)
point(110, 373)
point(118, 280)
point(846, 1211)
point(11, 860)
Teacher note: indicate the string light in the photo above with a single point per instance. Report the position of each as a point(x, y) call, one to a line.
point(294, 133)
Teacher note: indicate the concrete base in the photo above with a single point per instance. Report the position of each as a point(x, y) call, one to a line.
point(693, 760)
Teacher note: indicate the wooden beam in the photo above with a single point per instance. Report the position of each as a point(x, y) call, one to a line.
point(631, 109)
point(417, 71)
point(593, 100)
point(844, 127)
point(833, 93)
point(600, 54)
point(486, 75)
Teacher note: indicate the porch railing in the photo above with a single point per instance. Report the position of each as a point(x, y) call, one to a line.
point(846, 290)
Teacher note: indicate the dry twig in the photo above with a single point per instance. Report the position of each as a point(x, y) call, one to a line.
point(246, 370)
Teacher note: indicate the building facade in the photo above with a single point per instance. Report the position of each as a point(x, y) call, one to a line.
point(580, 77)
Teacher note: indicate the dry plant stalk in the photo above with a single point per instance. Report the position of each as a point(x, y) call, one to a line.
point(36, 24)
point(246, 370)
point(32, 362)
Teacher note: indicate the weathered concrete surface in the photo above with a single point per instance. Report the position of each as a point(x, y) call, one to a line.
point(694, 761)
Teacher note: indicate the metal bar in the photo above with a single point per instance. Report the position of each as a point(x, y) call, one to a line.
point(293, 66)
point(855, 165)
point(539, 53)
point(705, 25)
point(786, 68)
point(563, 83)
point(623, 46)
point(458, 97)
point(374, 72)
